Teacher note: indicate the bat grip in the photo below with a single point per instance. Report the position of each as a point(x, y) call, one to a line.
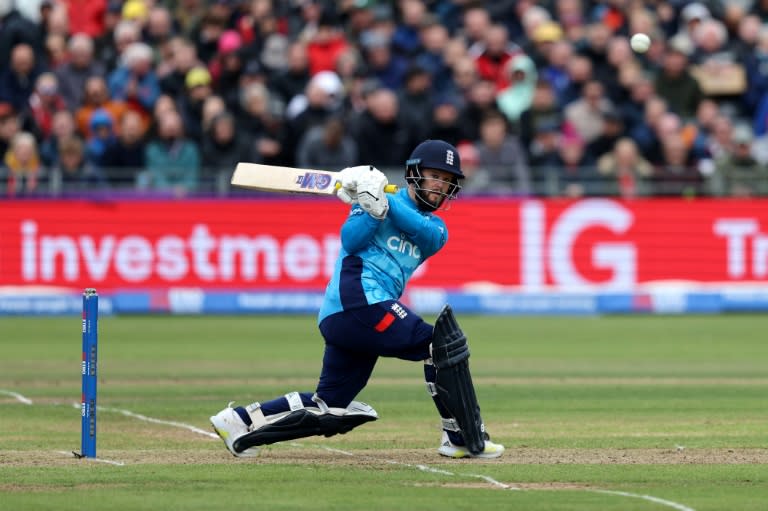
point(387, 189)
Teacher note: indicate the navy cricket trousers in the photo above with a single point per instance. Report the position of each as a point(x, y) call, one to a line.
point(355, 339)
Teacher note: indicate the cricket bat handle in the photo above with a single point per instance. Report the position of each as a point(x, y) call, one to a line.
point(387, 189)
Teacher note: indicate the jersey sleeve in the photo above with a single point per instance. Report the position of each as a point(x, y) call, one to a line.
point(358, 230)
point(428, 231)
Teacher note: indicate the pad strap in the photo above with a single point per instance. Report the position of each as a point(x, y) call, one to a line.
point(320, 403)
point(294, 401)
point(256, 415)
point(451, 425)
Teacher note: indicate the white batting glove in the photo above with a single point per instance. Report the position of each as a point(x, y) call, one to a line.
point(347, 195)
point(370, 193)
point(348, 179)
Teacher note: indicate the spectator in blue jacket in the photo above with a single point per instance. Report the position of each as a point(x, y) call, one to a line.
point(135, 81)
point(102, 136)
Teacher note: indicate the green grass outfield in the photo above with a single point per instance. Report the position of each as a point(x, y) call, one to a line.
point(615, 413)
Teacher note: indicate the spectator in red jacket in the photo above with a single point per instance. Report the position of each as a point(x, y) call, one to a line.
point(493, 56)
point(44, 102)
point(326, 45)
point(86, 16)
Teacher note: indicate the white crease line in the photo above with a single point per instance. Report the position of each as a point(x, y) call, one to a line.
point(181, 425)
point(650, 498)
point(98, 460)
point(423, 468)
point(144, 418)
point(18, 397)
point(329, 449)
point(493, 481)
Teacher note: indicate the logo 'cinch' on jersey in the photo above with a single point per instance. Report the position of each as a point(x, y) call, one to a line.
point(402, 245)
point(314, 180)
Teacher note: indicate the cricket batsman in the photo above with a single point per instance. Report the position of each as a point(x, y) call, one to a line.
point(383, 241)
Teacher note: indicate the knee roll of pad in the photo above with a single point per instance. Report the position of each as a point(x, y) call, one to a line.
point(449, 344)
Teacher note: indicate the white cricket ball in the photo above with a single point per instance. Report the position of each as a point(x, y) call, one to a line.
point(640, 43)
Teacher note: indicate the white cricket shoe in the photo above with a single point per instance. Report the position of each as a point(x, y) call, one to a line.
point(450, 450)
point(229, 426)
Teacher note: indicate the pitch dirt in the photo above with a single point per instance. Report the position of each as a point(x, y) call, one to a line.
point(315, 455)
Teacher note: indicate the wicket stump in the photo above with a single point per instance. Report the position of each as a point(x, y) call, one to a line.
point(89, 370)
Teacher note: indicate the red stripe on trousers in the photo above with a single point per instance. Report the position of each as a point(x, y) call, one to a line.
point(385, 322)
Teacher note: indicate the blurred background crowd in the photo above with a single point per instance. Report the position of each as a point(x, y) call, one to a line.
point(541, 98)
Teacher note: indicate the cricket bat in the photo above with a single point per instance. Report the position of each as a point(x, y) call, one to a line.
point(273, 178)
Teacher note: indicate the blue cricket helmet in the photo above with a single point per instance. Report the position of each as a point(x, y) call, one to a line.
point(438, 155)
point(100, 118)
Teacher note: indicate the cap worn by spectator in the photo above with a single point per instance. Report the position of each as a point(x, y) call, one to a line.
point(695, 11)
point(329, 82)
point(115, 7)
point(6, 110)
point(197, 77)
point(364, 4)
point(449, 99)
point(571, 140)
point(100, 119)
point(252, 68)
point(383, 13)
point(229, 42)
point(680, 45)
point(328, 18)
point(134, 10)
point(371, 39)
point(742, 135)
point(547, 32)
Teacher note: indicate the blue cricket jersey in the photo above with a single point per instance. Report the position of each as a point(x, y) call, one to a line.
point(378, 257)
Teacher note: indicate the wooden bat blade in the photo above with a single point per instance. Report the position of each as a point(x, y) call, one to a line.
point(273, 178)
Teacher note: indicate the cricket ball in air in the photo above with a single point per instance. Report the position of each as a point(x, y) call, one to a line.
point(640, 43)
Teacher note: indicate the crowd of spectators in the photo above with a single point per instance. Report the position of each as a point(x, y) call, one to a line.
point(541, 98)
